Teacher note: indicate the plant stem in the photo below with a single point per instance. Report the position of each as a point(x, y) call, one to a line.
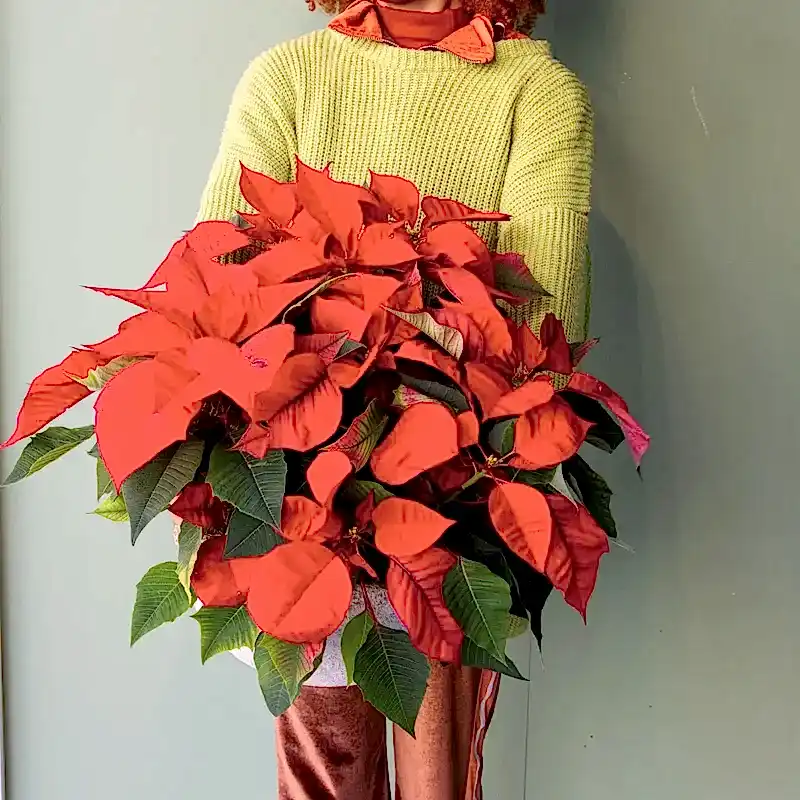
point(464, 486)
point(473, 480)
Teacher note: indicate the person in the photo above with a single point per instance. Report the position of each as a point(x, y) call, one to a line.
point(453, 97)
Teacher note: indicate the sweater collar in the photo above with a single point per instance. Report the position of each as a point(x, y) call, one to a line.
point(474, 42)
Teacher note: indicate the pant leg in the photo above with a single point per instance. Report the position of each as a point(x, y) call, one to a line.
point(332, 746)
point(445, 761)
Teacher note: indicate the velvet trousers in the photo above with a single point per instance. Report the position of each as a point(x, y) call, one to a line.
point(332, 744)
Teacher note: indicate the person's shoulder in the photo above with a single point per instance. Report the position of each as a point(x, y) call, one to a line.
point(291, 61)
point(537, 65)
point(281, 64)
point(294, 50)
point(535, 58)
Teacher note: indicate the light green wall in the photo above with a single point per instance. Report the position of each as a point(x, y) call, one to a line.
point(685, 683)
point(111, 115)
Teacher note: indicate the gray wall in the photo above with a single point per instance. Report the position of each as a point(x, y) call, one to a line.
point(111, 116)
point(683, 685)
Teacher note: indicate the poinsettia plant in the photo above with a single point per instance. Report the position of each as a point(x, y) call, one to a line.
point(336, 392)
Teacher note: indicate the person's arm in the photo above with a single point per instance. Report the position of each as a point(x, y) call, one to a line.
point(547, 190)
point(259, 133)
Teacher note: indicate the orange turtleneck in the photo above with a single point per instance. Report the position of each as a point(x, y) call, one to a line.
point(417, 29)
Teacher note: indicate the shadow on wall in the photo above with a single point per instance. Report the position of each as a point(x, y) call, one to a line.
point(625, 314)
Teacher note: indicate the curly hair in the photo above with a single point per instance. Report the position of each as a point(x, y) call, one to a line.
point(512, 14)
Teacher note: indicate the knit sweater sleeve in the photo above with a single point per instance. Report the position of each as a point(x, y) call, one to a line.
point(259, 133)
point(547, 190)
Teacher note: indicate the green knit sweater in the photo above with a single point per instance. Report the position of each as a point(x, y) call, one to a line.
point(513, 135)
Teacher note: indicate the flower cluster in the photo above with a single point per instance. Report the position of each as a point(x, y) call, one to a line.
point(332, 392)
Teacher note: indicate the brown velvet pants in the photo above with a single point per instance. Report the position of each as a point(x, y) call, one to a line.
point(332, 743)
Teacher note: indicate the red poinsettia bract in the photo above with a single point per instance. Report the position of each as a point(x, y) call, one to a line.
point(301, 590)
point(366, 328)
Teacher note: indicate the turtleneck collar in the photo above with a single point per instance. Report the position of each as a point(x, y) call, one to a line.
point(450, 31)
point(417, 29)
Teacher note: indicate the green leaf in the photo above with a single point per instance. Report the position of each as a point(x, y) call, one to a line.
point(105, 485)
point(438, 391)
point(160, 598)
point(449, 339)
point(254, 486)
point(605, 433)
point(579, 350)
point(353, 637)
point(490, 555)
point(100, 376)
point(355, 491)
point(155, 485)
point(281, 667)
point(94, 452)
point(536, 477)
point(392, 675)
point(349, 346)
point(248, 536)
point(480, 601)
point(474, 656)
point(405, 396)
point(361, 437)
point(593, 491)
point(513, 276)
point(113, 509)
point(45, 447)
point(224, 629)
point(531, 592)
point(190, 537)
point(501, 436)
point(560, 486)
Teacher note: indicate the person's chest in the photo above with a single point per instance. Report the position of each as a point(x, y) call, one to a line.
point(447, 131)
